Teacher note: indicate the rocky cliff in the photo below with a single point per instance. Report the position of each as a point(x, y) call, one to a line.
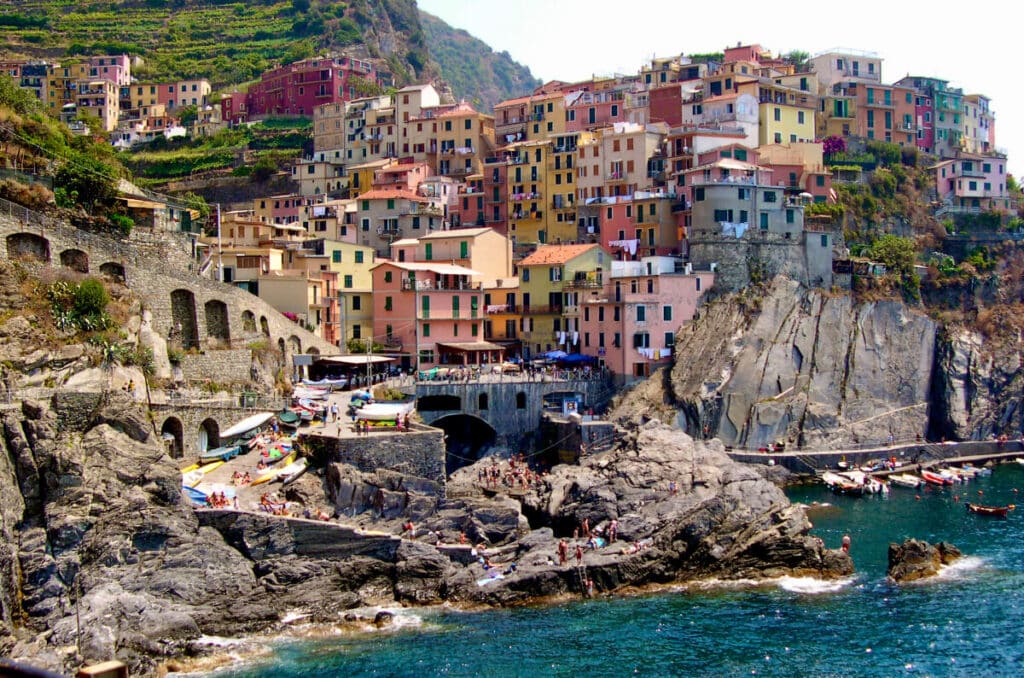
point(824, 371)
point(98, 550)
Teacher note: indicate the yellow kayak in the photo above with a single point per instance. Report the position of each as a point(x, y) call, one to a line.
point(270, 474)
point(193, 467)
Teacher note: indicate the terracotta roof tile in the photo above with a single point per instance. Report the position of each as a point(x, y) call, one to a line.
point(556, 254)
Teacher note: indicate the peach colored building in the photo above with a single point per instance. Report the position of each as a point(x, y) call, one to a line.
point(629, 325)
point(432, 313)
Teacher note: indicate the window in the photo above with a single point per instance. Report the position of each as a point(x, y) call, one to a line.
point(357, 331)
point(520, 401)
point(698, 194)
point(426, 356)
point(769, 196)
point(670, 339)
point(428, 251)
point(366, 224)
point(336, 256)
point(819, 180)
point(387, 276)
point(482, 401)
point(387, 303)
point(426, 329)
point(348, 282)
point(357, 303)
point(526, 275)
point(666, 313)
point(824, 239)
point(641, 314)
point(615, 313)
point(764, 221)
point(463, 250)
point(777, 114)
point(366, 205)
point(800, 117)
point(391, 203)
point(359, 257)
point(600, 314)
point(790, 216)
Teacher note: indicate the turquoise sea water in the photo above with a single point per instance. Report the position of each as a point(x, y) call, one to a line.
point(969, 622)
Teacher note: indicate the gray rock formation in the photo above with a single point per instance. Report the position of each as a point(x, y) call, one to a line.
point(804, 366)
point(91, 517)
point(915, 559)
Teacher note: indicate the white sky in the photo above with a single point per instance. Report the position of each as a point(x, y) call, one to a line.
point(969, 45)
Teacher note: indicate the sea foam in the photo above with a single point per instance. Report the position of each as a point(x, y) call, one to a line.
point(812, 586)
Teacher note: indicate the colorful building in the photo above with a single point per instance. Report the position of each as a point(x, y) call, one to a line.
point(630, 322)
point(972, 184)
point(297, 88)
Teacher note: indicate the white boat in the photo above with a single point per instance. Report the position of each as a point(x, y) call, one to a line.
point(964, 471)
point(384, 411)
point(246, 425)
point(306, 393)
point(292, 471)
point(871, 484)
point(906, 480)
point(950, 475)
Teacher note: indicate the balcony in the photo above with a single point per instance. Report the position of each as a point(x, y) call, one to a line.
point(584, 284)
point(494, 309)
point(519, 197)
point(616, 176)
point(680, 207)
point(976, 173)
point(542, 310)
point(430, 285)
point(559, 204)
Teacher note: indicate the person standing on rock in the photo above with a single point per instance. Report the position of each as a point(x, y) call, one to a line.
point(586, 528)
point(846, 543)
point(613, 530)
point(579, 555)
point(563, 551)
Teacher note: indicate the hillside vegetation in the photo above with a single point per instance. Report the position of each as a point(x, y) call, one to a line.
point(474, 71)
point(231, 42)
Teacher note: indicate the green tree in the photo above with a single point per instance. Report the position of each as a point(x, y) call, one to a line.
point(87, 181)
point(798, 58)
point(91, 298)
point(898, 254)
point(17, 99)
point(264, 169)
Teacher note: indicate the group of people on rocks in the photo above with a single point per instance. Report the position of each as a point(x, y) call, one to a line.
point(238, 478)
point(273, 507)
point(518, 474)
point(220, 500)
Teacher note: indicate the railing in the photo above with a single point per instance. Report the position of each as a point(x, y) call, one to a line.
point(582, 284)
point(534, 309)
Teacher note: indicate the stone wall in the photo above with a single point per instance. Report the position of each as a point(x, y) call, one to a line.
point(418, 453)
point(513, 408)
point(156, 266)
point(228, 365)
point(763, 256)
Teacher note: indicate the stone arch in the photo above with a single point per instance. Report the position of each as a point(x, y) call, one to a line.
point(173, 435)
point(294, 345)
point(217, 320)
point(521, 401)
point(208, 435)
point(29, 246)
point(313, 350)
point(248, 322)
point(281, 346)
point(183, 315)
point(264, 326)
point(114, 270)
point(482, 401)
point(467, 439)
point(76, 260)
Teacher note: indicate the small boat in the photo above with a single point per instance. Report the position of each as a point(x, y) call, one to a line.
point(290, 473)
point(906, 480)
point(870, 484)
point(979, 470)
point(933, 478)
point(288, 418)
point(223, 453)
point(194, 495)
point(384, 411)
point(303, 393)
point(842, 485)
point(246, 425)
point(998, 511)
point(195, 475)
point(951, 475)
point(270, 474)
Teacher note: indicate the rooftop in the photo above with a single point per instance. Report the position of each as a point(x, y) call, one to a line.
point(556, 254)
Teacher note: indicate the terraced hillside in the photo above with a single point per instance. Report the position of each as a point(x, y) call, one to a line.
point(232, 41)
point(227, 42)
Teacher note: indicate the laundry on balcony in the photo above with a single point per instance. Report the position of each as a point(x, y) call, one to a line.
point(496, 308)
point(630, 245)
point(735, 230)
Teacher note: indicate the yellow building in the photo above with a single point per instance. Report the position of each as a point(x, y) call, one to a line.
point(549, 283)
point(787, 115)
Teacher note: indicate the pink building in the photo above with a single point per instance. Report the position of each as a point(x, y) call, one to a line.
point(591, 110)
point(115, 69)
point(630, 325)
point(973, 183)
point(433, 311)
point(295, 89)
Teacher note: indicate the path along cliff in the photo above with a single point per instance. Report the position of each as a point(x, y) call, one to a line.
point(821, 370)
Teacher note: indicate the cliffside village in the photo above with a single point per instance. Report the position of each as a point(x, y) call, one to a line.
point(587, 217)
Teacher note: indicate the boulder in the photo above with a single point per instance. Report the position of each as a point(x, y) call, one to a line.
point(915, 559)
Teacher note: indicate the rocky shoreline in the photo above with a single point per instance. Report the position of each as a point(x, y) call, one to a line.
point(92, 517)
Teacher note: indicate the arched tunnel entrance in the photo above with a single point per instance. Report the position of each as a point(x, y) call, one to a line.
point(467, 439)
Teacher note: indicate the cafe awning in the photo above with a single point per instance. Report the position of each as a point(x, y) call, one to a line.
point(356, 359)
point(471, 346)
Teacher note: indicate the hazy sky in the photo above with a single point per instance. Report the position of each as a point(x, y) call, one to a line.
point(968, 44)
